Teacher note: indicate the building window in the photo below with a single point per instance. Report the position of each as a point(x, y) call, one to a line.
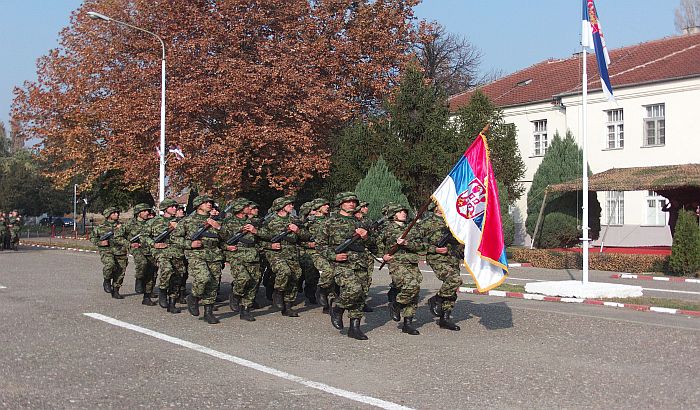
point(615, 129)
point(541, 142)
point(655, 125)
point(614, 208)
point(652, 209)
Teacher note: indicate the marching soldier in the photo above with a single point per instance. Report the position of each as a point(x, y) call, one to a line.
point(361, 215)
point(310, 275)
point(444, 255)
point(3, 231)
point(110, 239)
point(137, 229)
point(203, 255)
point(169, 255)
point(325, 286)
point(403, 265)
point(280, 244)
point(242, 257)
point(350, 266)
point(14, 224)
point(179, 215)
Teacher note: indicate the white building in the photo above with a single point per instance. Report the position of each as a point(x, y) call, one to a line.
point(655, 121)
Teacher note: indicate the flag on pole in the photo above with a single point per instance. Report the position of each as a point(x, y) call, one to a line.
point(177, 151)
point(592, 39)
point(468, 198)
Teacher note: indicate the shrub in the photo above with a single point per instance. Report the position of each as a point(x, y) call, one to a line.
point(378, 187)
point(615, 262)
point(685, 253)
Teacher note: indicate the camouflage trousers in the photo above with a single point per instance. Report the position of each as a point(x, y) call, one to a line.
point(114, 267)
point(287, 273)
point(310, 275)
point(352, 294)
point(367, 277)
point(407, 278)
point(14, 235)
point(171, 270)
point(205, 279)
point(246, 276)
point(451, 281)
point(326, 277)
point(145, 268)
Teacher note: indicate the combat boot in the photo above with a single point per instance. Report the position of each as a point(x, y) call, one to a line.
point(138, 285)
point(322, 296)
point(391, 294)
point(354, 331)
point(235, 303)
point(245, 314)
point(172, 307)
point(181, 296)
point(209, 315)
point(277, 300)
point(163, 298)
point(408, 326)
point(337, 317)
point(289, 311)
point(193, 305)
point(255, 304)
point(107, 285)
point(435, 303)
point(395, 311)
point(147, 300)
point(446, 322)
point(115, 294)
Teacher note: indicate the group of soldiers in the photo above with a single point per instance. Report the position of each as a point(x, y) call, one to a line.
point(326, 250)
point(10, 225)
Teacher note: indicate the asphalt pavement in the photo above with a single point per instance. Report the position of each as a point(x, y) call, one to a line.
point(510, 353)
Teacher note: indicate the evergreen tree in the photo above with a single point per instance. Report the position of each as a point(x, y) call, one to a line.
point(685, 253)
point(507, 222)
point(378, 187)
point(562, 212)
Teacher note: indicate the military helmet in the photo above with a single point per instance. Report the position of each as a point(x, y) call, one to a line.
point(142, 207)
point(391, 208)
point(281, 202)
point(345, 196)
point(306, 208)
point(319, 202)
point(167, 203)
point(202, 199)
point(237, 205)
point(253, 204)
point(109, 211)
point(364, 204)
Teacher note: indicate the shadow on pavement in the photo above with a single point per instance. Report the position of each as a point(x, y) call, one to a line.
point(492, 316)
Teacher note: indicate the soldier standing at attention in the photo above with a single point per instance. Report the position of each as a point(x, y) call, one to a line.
point(112, 251)
point(169, 256)
point(445, 262)
point(137, 229)
point(403, 265)
point(282, 253)
point(242, 258)
point(203, 255)
point(350, 266)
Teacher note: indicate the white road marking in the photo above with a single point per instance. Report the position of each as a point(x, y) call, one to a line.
point(3, 287)
point(672, 291)
point(252, 365)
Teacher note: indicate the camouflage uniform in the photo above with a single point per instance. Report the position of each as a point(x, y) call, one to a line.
point(144, 262)
point(284, 261)
point(4, 237)
point(114, 255)
point(14, 224)
point(310, 275)
point(445, 266)
point(325, 285)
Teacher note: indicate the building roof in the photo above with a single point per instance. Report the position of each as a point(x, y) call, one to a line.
point(666, 59)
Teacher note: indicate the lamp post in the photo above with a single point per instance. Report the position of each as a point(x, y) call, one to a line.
point(161, 180)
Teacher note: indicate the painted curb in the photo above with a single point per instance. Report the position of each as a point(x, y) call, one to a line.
point(63, 248)
point(532, 296)
point(520, 265)
point(650, 277)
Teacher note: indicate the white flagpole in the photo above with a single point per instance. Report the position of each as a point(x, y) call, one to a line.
point(585, 238)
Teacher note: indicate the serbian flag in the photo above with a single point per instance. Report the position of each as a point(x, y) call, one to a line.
point(468, 198)
point(592, 39)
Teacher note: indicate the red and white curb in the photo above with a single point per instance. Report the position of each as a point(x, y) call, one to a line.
point(650, 277)
point(63, 248)
point(532, 296)
point(520, 265)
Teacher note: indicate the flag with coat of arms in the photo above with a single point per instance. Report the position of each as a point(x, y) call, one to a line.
point(468, 198)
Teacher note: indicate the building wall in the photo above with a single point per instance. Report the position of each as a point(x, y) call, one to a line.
point(682, 146)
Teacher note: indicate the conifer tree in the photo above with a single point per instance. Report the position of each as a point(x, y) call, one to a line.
point(378, 187)
point(685, 253)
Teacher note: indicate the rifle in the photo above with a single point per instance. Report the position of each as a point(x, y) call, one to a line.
point(349, 241)
point(445, 239)
point(282, 235)
point(135, 239)
point(395, 247)
point(236, 237)
point(163, 235)
point(107, 236)
point(200, 232)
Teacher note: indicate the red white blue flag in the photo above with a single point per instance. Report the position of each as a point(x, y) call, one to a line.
point(468, 198)
point(592, 39)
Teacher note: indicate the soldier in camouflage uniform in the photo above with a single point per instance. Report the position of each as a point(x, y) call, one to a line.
point(403, 265)
point(3, 231)
point(325, 287)
point(137, 229)
point(113, 251)
point(308, 282)
point(203, 255)
point(350, 266)
point(180, 214)
point(361, 214)
point(242, 258)
point(282, 254)
point(169, 256)
point(14, 224)
point(445, 262)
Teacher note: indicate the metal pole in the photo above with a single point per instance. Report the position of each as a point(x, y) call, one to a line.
point(585, 238)
point(75, 204)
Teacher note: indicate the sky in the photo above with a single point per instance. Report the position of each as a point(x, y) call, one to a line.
point(511, 34)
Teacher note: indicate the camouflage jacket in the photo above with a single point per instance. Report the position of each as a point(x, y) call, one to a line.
point(276, 225)
point(157, 226)
point(14, 222)
point(137, 226)
point(246, 247)
point(118, 244)
point(408, 253)
point(210, 250)
point(433, 229)
point(334, 231)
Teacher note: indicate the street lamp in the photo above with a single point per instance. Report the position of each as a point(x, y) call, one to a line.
point(161, 180)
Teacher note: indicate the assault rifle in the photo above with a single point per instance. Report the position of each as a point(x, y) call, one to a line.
point(201, 231)
point(163, 236)
point(444, 239)
point(236, 237)
point(135, 239)
point(282, 235)
point(349, 241)
point(109, 235)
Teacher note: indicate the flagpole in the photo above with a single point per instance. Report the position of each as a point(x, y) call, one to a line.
point(585, 238)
